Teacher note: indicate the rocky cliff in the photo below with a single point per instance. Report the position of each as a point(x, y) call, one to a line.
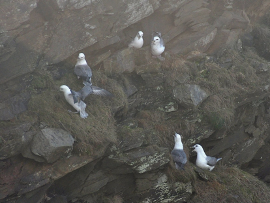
point(212, 88)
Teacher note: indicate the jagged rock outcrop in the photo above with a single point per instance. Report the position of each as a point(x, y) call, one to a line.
point(212, 88)
point(49, 144)
point(189, 95)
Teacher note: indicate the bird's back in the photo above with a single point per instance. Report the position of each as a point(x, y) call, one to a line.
point(83, 70)
point(179, 156)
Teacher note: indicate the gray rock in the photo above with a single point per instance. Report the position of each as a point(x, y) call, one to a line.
point(130, 89)
point(247, 39)
point(94, 182)
point(148, 180)
point(246, 151)
point(232, 20)
point(14, 139)
point(124, 184)
point(121, 62)
point(58, 199)
point(140, 160)
point(13, 106)
point(93, 22)
point(193, 13)
point(27, 153)
point(133, 141)
point(260, 67)
point(52, 143)
point(15, 12)
point(164, 191)
point(189, 95)
point(153, 79)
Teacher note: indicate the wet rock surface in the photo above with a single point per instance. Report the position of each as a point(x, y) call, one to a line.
point(212, 88)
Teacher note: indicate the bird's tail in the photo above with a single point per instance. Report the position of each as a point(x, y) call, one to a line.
point(180, 166)
point(219, 159)
point(211, 168)
point(83, 113)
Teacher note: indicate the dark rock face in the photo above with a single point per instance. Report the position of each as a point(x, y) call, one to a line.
point(212, 88)
point(50, 144)
point(15, 139)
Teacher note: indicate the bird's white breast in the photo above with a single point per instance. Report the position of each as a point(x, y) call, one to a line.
point(70, 100)
point(138, 43)
point(201, 161)
point(81, 62)
point(157, 49)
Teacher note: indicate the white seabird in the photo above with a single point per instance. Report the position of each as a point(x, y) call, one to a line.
point(137, 42)
point(87, 90)
point(157, 45)
point(82, 70)
point(203, 161)
point(79, 105)
point(178, 154)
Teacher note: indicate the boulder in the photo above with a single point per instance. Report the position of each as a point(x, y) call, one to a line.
point(139, 160)
point(189, 95)
point(246, 151)
point(14, 139)
point(52, 144)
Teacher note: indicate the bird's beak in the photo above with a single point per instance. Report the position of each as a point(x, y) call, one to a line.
point(193, 148)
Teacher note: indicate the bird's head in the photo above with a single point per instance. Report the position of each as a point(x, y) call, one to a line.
point(140, 34)
point(156, 40)
point(177, 138)
point(81, 56)
point(64, 88)
point(197, 148)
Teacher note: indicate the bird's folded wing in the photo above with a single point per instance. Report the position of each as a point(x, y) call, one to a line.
point(83, 70)
point(211, 161)
point(76, 96)
point(179, 156)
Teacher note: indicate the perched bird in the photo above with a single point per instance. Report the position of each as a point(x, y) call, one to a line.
point(157, 45)
point(79, 105)
point(203, 161)
point(137, 42)
point(87, 90)
point(82, 70)
point(178, 153)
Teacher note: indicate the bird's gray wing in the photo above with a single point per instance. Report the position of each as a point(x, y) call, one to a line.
point(86, 90)
point(161, 42)
point(76, 96)
point(179, 156)
point(101, 92)
point(211, 161)
point(83, 71)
